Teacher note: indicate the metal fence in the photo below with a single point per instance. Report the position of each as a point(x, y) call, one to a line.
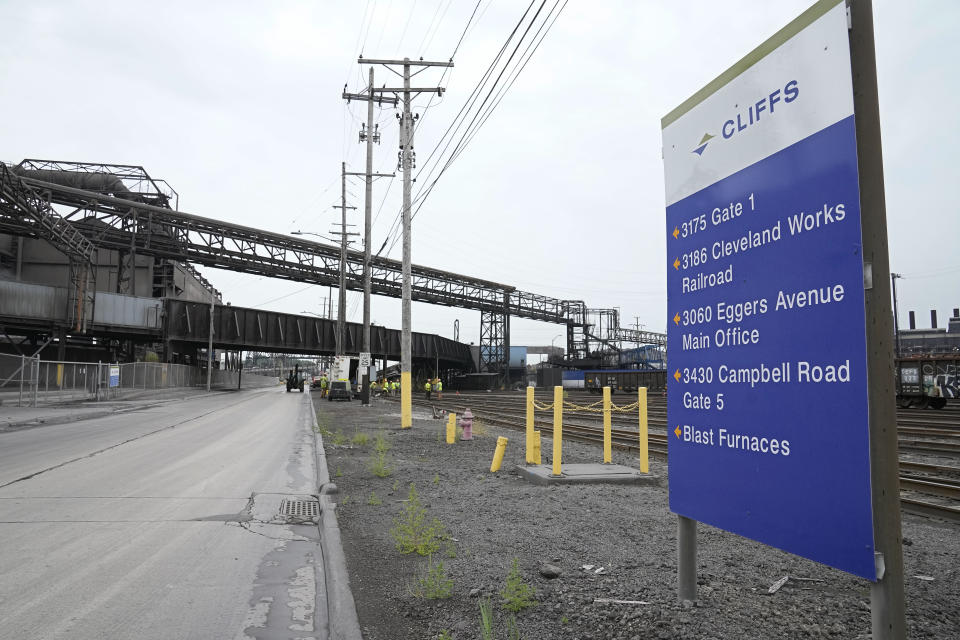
point(29, 381)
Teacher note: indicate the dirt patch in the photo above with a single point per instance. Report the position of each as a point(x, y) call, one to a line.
point(493, 519)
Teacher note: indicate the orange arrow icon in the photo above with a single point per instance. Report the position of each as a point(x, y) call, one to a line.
point(676, 263)
point(676, 319)
point(677, 431)
point(676, 232)
point(677, 375)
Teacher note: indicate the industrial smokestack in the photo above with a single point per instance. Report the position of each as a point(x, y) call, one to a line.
point(913, 320)
point(933, 318)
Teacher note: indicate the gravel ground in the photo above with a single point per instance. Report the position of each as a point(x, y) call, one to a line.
point(493, 519)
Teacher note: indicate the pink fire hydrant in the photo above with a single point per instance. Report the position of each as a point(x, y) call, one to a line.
point(466, 422)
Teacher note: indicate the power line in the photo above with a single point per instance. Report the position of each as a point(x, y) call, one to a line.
point(460, 117)
point(462, 35)
point(407, 25)
point(483, 112)
point(512, 77)
point(287, 295)
point(480, 113)
point(420, 49)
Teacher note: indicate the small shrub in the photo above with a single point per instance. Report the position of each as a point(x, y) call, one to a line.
point(396, 485)
point(380, 444)
point(434, 583)
point(449, 549)
point(436, 478)
point(444, 635)
point(379, 465)
point(374, 500)
point(339, 439)
point(361, 440)
point(517, 595)
point(338, 473)
point(343, 502)
point(412, 532)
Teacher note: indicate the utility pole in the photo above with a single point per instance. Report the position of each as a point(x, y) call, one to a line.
point(406, 165)
point(341, 297)
point(369, 135)
point(896, 315)
point(210, 342)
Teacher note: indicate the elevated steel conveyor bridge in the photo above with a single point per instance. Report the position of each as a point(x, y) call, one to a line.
point(98, 201)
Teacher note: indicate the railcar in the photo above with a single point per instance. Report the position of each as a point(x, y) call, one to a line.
point(927, 380)
point(624, 380)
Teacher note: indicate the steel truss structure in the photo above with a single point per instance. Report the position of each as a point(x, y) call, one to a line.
point(130, 212)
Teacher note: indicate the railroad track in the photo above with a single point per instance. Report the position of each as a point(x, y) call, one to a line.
point(926, 489)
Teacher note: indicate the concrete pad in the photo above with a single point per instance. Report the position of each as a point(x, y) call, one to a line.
point(587, 473)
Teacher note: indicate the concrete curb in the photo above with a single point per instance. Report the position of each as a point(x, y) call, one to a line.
point(341, 608)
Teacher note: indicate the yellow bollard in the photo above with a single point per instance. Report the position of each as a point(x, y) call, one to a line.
point(644, 455)
point(529, 425)
point(498, 454)
point(451, 428)
point(607, 432)
point(557, 429)
point(406, 402)
point(536, 447)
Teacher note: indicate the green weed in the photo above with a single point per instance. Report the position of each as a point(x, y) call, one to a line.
point(374, 500)
point(436, 478)
point(411, 530)
point(486, 619)
point(517, 595)
point(380, 444)
point(361, 440)
point(379, 465)
point(433, 584)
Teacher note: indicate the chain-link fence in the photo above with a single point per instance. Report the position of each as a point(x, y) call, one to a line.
point(29, 381)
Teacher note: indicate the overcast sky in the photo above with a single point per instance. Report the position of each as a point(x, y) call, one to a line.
point(237, 105)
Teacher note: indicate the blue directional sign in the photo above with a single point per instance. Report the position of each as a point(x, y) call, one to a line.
point(767, 394)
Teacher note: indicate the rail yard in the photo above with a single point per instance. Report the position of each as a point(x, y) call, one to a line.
point(929, 441)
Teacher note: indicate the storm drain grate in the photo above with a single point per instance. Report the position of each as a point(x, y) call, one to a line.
point(300, 508)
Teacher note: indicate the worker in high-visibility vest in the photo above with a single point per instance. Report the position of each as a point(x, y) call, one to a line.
point(427, 387)
point(438, 387)
point(324, 383)
point(396, 387)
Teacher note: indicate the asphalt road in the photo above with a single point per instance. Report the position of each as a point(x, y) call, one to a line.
point(162, 523)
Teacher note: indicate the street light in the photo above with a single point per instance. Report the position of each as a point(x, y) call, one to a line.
point(551, 345)
point(309, 233)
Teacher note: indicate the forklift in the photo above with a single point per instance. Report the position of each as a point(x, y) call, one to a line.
point(295, 380)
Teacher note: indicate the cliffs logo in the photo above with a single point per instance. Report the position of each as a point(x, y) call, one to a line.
point(704, 141)
point(750, 116)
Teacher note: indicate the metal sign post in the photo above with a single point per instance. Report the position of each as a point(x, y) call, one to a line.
point(364, 370)
point(778, 390)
